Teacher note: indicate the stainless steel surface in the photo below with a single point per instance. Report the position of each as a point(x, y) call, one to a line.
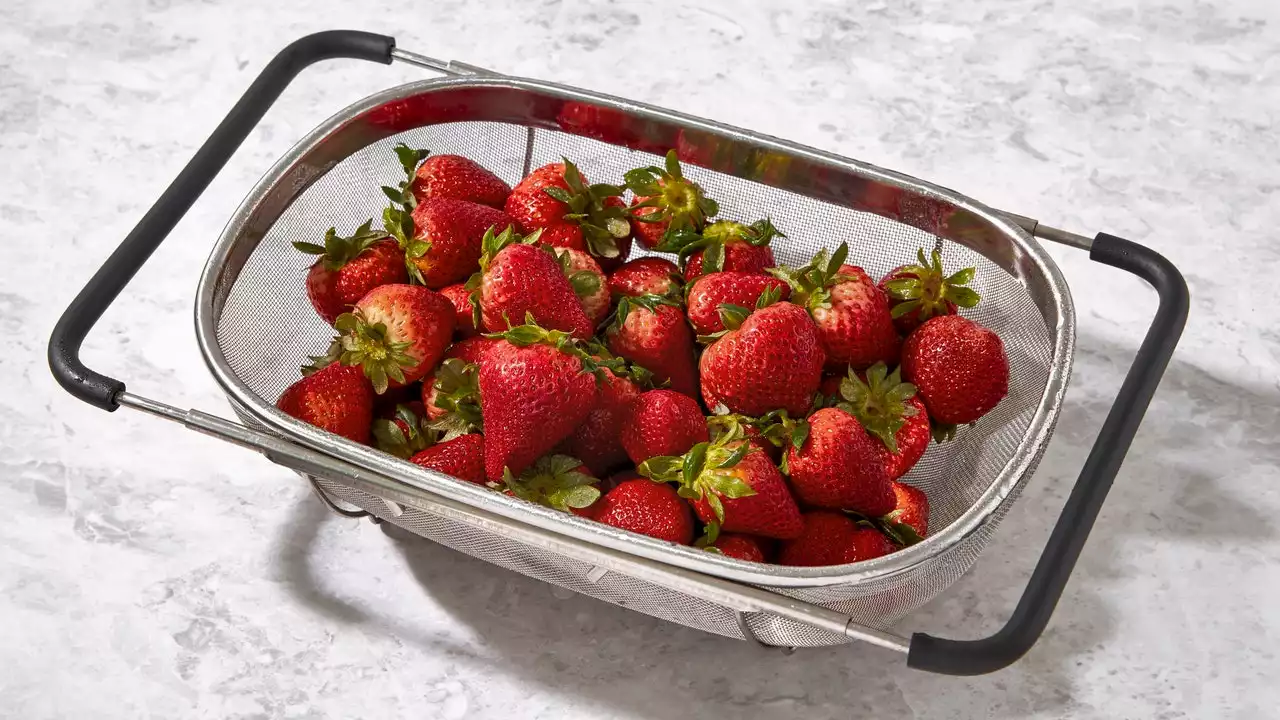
point(331, 178)
point(1064, 237)
point(448, 67)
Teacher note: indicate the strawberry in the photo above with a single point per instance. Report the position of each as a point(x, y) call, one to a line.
point(851, 313)
point(645, 276)
point(462, 457)
point(598, 440)
point(471, 349)
point(733, 486)
point(889, 410)
point(464, 324)
point(458, 178)
point(771, 362)
point(403, 432)
point(448, 238)
point(708, 296)
point(451, 398)
point(649, 508)
point(666, 202)
point(556, 199)
point(534, 391)
point(651, 332)
point(662, 422)
point(517, 279)
point(959, 368)
point(349, 267)
point(396, 334)
point(725, 245)
point(556, 481)
point(911, 509)
point(832, 538)
point(741, 547)
point(588, 281)
point(836, 464)
point(919, 292)
point(336, 398)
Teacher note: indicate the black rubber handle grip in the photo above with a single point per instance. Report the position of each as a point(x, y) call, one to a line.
point(83, 312)
point(976, 657)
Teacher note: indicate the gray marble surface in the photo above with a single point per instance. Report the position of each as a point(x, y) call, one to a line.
point(148, 571)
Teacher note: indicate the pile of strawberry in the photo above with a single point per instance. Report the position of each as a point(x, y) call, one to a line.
point(499, 336)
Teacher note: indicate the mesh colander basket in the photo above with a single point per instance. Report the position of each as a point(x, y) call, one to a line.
point(332, 178)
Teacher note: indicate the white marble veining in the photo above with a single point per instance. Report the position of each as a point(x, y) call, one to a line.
point(147, 571)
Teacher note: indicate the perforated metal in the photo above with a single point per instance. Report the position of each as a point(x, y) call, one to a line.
point(266, 328)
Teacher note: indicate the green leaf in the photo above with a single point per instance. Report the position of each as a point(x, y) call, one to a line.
point(732, 315)
point(585, 283)
point(673, 165)
point(417, 249)
point(579, 497)
point(730, 485)
point(962, 296)
point(309, 248)
point(904, 308)
point(693, 462)
point(961, 277)
point(559, 193)
point(662, 467)
point(771, 295)
point(736, 456)
point(717, 507)
point(713, 259)
point(800, 434)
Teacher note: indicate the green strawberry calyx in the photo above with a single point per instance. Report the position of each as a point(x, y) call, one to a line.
point(530, 333)
point(924, 288)
point(679, 202)
point(707, 472)
point(397, 218)
point(360, 342)
point(457, 393)
point(898, 532)
point(585, 283)
point(337, 251)
point(714, 237)
point(403, 435)
point(603, 224)
point(628, 303)
point(556, 481)
point(732, 316)
point(879, 403)
point(811, 285)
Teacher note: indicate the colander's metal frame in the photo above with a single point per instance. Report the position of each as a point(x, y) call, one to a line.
point(385, 481)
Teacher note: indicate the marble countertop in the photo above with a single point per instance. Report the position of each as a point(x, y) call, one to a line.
point(148, 571)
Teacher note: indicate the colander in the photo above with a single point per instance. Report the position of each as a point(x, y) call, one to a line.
point(332, 178)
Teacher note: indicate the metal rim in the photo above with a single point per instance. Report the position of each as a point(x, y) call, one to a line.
point(424, 481)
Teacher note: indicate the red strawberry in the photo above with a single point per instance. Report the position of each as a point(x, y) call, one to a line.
point(464, 325)
point(556, 199)
point(666, 201)
point(740, 291)
point(831, 538)
point(912, 508)
point(518, 279)
point(598, 440)
point(919, 292)
point(651, 332)
point(742, 547)
point(448, 239)
point(404, 431)
point(588, 281)
point(349, 267)
point(838, 466)
point(649, 508)
point(772, 362)
point(459, 178)
point(662, 422)
point(471, 349)
point(958, 366)
point(533, 392)
point(645, 276)
point(726, 245)
point(733, 485)
point(556, 481)
point(336, 398)
point(889, 410)
point(396, 334)
point(461, 457)
point(851, 313)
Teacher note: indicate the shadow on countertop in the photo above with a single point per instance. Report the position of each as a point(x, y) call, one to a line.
point(1172, 489)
